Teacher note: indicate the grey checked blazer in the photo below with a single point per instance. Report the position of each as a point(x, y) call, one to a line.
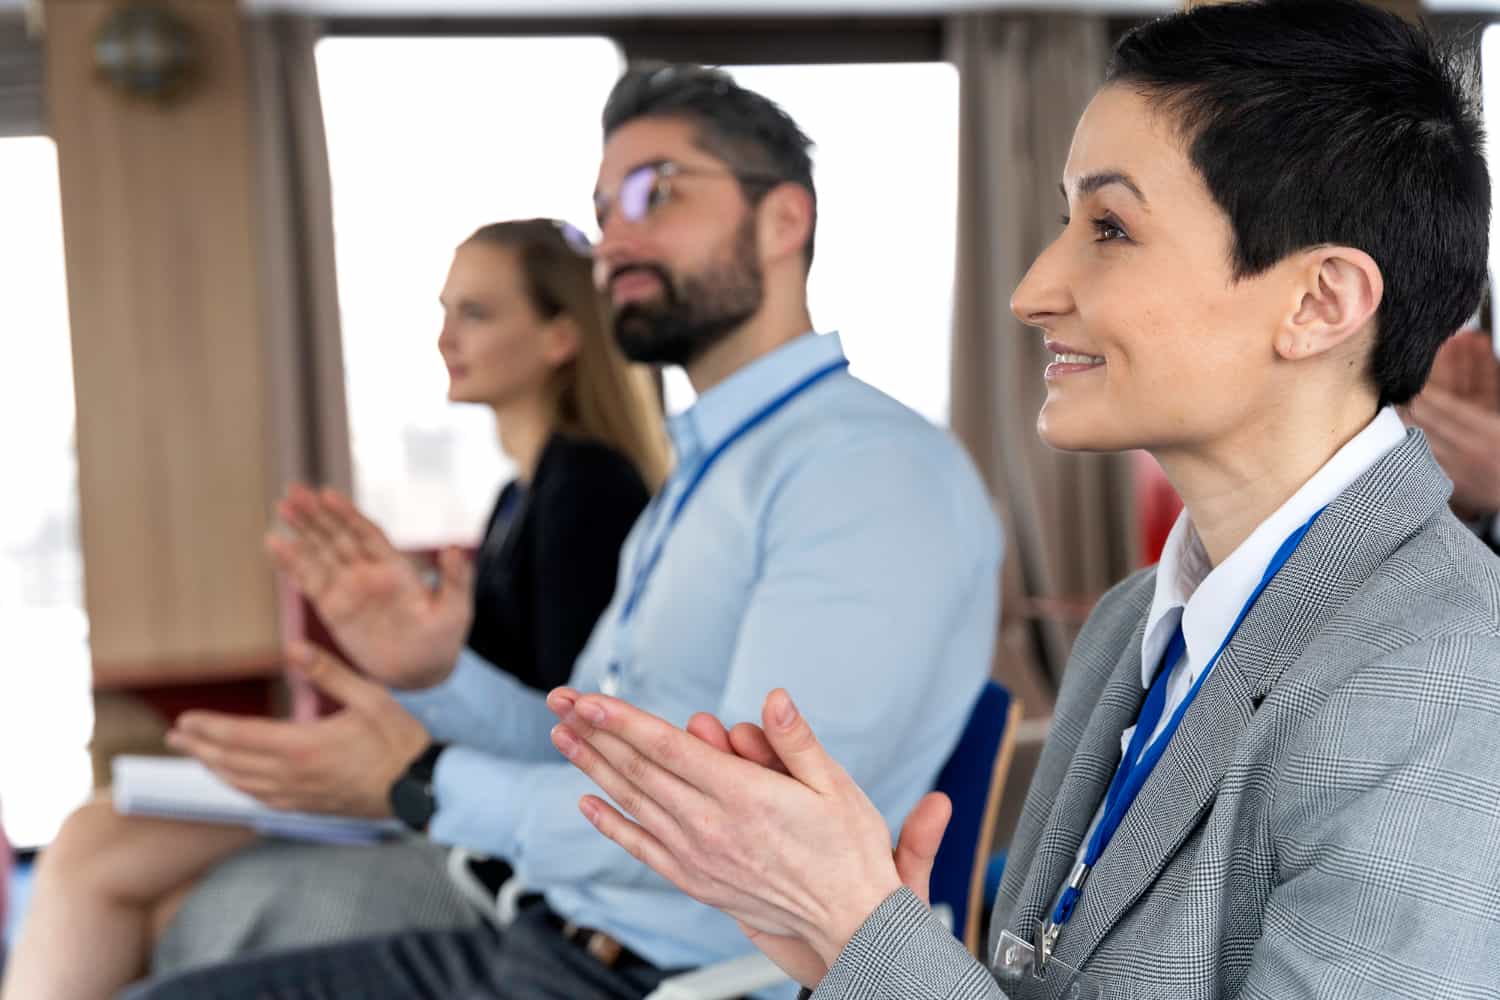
point(1326, 822)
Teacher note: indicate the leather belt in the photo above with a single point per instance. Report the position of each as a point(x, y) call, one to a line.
point(602, 947)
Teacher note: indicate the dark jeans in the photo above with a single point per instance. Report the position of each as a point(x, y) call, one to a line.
point(529, 960)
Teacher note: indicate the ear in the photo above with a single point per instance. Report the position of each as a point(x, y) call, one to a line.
point(785, 221)
point(1339, 291)
point(561, 340)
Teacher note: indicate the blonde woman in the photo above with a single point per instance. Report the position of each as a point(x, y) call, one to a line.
point(525, 333)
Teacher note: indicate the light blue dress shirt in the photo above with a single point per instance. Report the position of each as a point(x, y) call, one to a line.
point(844, 549)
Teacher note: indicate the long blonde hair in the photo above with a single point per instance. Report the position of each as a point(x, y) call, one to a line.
point(599, 395)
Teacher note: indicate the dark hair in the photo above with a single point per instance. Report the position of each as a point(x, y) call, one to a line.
point(746, 130)
point(1331, 122)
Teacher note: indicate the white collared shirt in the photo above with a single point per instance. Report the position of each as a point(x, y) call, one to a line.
point(1207, 599)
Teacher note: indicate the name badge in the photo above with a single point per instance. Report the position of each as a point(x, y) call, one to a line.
point(1016, 963)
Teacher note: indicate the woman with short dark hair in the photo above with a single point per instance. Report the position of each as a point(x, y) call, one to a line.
point(1274, 767)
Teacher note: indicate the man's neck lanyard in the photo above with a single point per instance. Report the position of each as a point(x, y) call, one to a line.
point(1143, 753)
point(646, 566)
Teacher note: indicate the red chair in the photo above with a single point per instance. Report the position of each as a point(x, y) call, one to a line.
point(252, 696)
point(1156, 506)
point(261, 695)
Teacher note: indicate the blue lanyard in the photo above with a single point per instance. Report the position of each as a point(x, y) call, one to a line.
point(648, 565)
point(1143, 753)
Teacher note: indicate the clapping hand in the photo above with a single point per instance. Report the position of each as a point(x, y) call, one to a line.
point(1459, 411)
point(398, 627)
point(344, 763)
point(757, 821)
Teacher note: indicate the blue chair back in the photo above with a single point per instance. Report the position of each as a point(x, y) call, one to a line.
point(973, 778)
point(5, 863)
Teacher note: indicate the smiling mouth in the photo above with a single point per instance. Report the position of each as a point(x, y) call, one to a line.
point(1067, 362)
point(1089, 360)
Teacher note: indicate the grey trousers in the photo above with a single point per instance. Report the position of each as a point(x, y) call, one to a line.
point(529, 960)
point(276, 896)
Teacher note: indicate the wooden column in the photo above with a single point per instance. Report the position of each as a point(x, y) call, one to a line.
point(174, 453)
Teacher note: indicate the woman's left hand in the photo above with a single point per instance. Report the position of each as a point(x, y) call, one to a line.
point(798, 855)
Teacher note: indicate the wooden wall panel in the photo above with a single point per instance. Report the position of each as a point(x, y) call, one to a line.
point(173, 451)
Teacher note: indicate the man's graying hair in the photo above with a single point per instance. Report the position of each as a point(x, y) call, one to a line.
point(747, 131)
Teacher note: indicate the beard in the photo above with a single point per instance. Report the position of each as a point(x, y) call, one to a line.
point(692, 315)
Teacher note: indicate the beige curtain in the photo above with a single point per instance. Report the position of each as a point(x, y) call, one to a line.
point(1023, 81)
point(299, 287)
point(300, 300)
point(20, 79)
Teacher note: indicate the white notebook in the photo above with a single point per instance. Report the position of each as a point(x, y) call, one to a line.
point(182, 788)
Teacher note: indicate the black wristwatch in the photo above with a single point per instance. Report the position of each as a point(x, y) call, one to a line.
point(412, 797)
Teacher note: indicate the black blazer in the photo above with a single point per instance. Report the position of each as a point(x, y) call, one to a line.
point(546, 568)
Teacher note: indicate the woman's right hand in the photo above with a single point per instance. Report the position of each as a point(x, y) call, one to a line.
point(396, 626)
point(916, 849)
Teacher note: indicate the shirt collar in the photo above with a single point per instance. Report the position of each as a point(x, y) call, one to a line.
point(1207, 599)
point(721, 410)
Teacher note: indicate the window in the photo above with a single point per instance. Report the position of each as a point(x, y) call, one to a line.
point(420, 158)
point(886, 169)
point(466, 131)
point(46, 713)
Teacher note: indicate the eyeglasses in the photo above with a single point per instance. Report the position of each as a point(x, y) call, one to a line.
point(575, 238)
point(649, 186)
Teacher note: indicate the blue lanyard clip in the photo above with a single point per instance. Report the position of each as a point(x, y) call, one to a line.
point(1140, 757)
point(1049, 930)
